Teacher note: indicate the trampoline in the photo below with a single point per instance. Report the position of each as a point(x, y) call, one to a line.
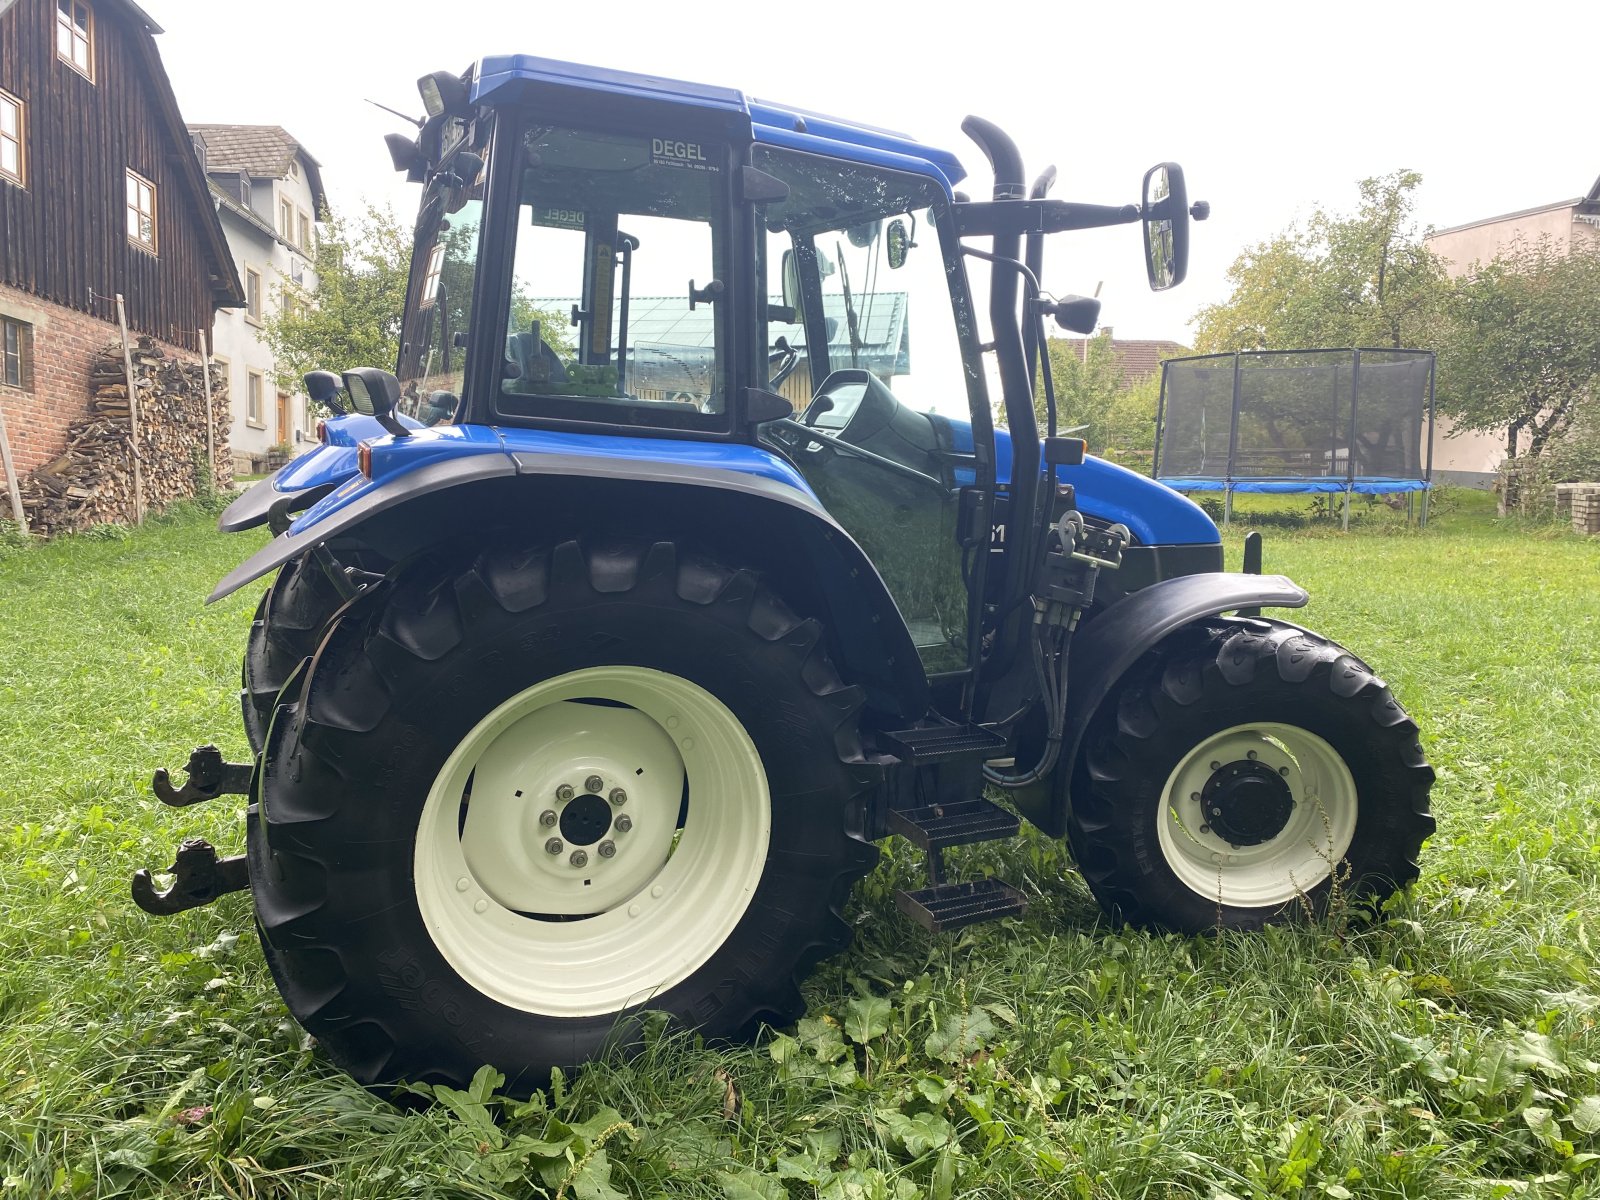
point(1352, 422)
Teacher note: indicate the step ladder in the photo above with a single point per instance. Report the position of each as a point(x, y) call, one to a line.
point(945, 905)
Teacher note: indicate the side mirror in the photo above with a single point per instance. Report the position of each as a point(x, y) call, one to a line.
point(791, 280)
point(899, 243)
point(1166, 226)
point(376, 393)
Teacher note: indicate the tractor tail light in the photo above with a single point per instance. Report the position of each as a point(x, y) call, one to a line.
point(364, 458)
point(322, 432)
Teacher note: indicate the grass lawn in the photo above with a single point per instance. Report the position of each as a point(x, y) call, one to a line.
point(1447, 1052)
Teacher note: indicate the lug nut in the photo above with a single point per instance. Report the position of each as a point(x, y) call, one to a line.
point(593, 784)
point(580, 858)
point(548, 817)
point(607, 849)
point(618, 797)
point(1283, 770)
point(1251, 755)
point(564, 792)
point(623, 823)
point(554, 846)
point(1216, 766)
point(1205, 829)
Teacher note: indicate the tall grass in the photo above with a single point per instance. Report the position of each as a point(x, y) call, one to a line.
point(1445, 1051)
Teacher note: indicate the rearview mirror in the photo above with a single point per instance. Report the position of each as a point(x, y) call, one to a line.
point(899, 242)
point(791, 280)
point(1166, 226)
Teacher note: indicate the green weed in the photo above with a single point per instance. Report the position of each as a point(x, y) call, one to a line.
point(1447, 1049)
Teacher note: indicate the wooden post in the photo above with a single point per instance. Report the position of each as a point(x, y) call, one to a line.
point(133, 415)
point(17, 510)
point(211, 416)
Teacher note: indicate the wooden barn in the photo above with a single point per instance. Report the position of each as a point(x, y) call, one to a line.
point(101, 193)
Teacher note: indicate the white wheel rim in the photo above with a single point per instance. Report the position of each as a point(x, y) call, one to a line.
point(657, 905)
point(1299, 857)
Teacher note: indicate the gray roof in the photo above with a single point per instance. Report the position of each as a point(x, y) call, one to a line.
point(260, 151)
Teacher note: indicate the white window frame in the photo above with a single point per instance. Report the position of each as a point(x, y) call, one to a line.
point(79, 39)
point(137, 214)
point(17, 140)
point(252, 313)
point(255, 392)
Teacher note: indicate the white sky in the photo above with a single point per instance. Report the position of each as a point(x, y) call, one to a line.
point(1272, 108)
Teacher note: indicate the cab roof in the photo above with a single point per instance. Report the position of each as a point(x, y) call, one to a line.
point(772, 124)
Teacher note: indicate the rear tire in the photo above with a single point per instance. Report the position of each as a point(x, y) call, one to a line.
point(1247, 772)
point(410, 910)
point(289, 623)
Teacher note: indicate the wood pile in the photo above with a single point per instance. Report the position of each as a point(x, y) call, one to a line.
point(92, 481)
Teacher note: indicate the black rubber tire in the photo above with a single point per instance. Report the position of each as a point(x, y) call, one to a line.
point(288, 625)
point(1209, 678)
point(351, 757)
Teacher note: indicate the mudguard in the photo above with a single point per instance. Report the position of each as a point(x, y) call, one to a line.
point(1104, 648)
point(332, 462)
point(718, 485)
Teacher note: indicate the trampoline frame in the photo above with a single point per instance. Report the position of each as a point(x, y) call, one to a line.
point(1349, 485)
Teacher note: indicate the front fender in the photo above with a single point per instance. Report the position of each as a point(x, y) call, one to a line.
point(1104, 648)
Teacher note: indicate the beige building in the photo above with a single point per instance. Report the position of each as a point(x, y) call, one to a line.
point(1565, 223)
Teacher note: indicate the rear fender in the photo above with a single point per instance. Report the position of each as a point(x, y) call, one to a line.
point(478, 492)
point(332, 462)
point(1105, 647)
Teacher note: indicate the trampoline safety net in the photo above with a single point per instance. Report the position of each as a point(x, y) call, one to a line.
point(1297, 421)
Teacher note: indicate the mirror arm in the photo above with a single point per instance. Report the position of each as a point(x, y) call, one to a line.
point(1000, 217)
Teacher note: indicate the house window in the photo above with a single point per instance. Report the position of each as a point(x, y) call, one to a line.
point(305, 233)
point(430, 278)
point(16, 354)
point(252, 294)
point(286, 221)
point(294, 168)
point(11, 113)
point(75, 35)
point(254, 389)
point(141, 212)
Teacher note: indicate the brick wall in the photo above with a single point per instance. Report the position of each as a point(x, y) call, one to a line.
point(64, 343)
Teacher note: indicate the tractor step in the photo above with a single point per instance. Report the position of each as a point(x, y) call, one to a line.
point(958, 824)
point(938, 743)
point(953, 905)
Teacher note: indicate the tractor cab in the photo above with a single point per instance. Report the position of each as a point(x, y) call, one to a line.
point(693, 266)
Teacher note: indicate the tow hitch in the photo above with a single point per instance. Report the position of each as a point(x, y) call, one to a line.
point(199, 877)
point(209, 777)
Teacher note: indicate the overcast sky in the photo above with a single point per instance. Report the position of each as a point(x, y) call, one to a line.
point(1272, 108)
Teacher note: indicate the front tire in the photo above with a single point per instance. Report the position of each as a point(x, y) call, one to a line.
point(1244, 773)
point(412, 909)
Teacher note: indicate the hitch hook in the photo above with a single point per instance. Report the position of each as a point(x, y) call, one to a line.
point(209, 777)
point(199, 877)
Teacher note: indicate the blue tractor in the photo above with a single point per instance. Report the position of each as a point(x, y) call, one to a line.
point(683, 559)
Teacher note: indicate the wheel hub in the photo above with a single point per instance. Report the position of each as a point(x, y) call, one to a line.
point(1247, 802)
point(585, 820)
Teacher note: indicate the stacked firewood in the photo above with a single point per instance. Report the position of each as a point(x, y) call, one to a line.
point(92, 481)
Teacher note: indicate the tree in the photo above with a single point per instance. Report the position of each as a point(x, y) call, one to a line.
point(354, 316)
point(1360, 280)
point(1087, 377)
point(1521, 347)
